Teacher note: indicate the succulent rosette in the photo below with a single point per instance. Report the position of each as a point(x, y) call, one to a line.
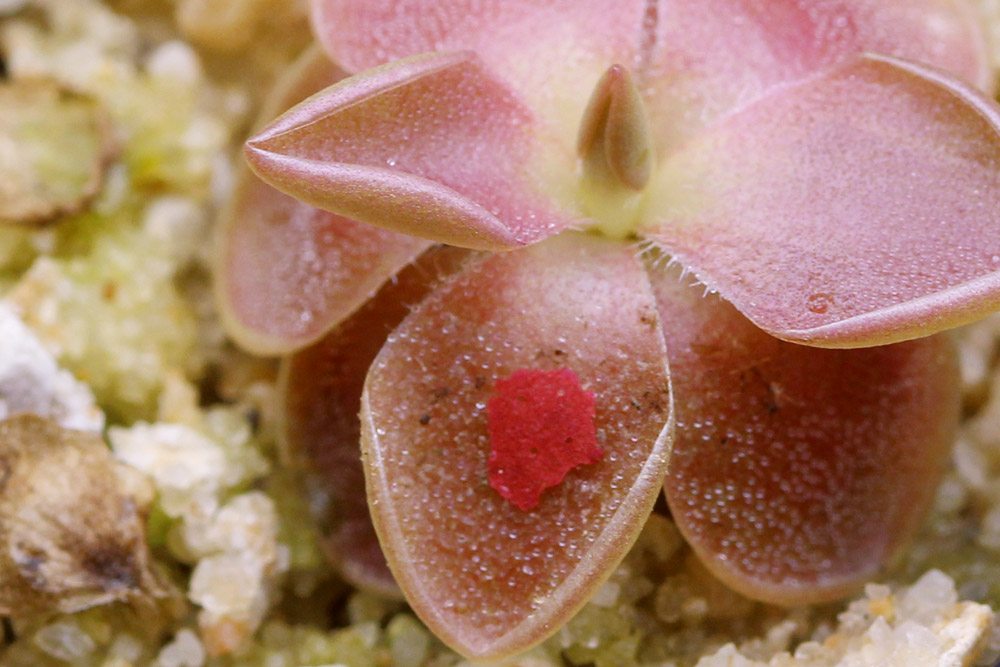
point(555, 253)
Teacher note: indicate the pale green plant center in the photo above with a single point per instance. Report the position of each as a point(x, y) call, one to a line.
point(615, 149)
point(616, 210)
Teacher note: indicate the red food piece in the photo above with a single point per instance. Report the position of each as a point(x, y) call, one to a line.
point(541, 426)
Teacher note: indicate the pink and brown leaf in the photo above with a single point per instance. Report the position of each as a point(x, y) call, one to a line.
point(830, 168)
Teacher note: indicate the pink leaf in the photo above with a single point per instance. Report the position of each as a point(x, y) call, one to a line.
point(488, 578)
point(798, 473)
point(696, 73)
point(551, 52)
point(320, 433)
point(432, 146)
point(856, 208)
point(288, 272)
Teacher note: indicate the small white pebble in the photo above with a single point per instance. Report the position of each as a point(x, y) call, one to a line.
point(951, 495)
point(925, 599)
point(989, 530)
point(126, 647)
point(184, 651)
point(247, 525)
point(223, 180)
point(409, 642)
point(877, 591)
point(927, 626)
point(971, 465)
point(31, 381)
point(64, 640)
point(178, 224)
point(175, 60)
point(230, 586)
point(607, 595)
point(184, 464)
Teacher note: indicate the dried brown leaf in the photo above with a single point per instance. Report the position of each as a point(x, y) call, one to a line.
point(71, 526)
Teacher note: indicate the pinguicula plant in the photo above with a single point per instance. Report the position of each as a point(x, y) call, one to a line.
point(562, 254)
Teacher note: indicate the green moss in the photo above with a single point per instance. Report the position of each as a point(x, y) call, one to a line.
point(297, 532)
point(168, 146)
point(409, 641)
point(115, 319)
point(307, 646)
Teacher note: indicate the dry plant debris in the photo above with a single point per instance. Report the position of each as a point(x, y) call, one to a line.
point(72, 525)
